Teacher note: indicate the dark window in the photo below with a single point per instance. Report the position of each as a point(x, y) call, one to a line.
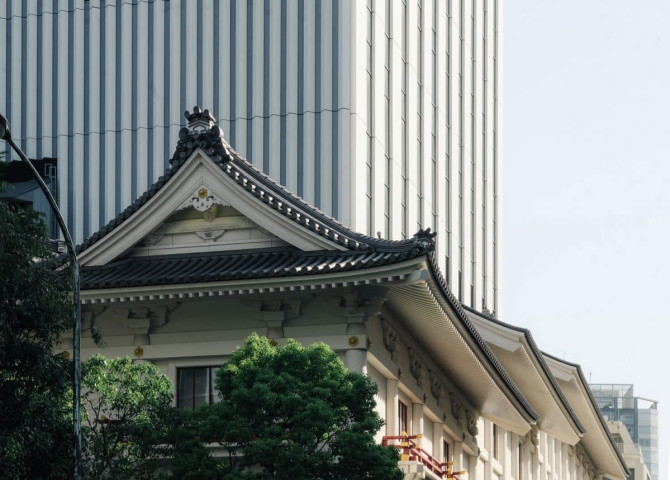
point(195, 385)
point(495, 441)
point(446, 452)
point(402, 418)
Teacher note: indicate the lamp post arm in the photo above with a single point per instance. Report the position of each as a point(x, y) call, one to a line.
point(76, 328)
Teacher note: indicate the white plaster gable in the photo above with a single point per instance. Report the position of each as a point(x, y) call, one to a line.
point(201, 209)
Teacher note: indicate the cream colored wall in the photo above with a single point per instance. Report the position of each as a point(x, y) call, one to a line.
point(542, 457)
point(205, 332)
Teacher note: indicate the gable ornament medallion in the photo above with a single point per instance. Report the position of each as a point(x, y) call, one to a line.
point(202, 200)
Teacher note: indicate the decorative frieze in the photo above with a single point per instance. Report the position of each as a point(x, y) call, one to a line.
point(210, 235)
point(471, 420)
point(415, 363)
point(390, 337)
point(202, 199)
point(435, 385)
point(456, 406)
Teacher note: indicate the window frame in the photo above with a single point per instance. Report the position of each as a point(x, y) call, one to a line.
point(213, 397)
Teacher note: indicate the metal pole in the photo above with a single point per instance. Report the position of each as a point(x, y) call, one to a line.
point(76, 328)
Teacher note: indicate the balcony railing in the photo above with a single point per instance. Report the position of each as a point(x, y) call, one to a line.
point(411, 451)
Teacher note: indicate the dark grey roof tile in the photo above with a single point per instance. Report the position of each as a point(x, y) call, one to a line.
point(222, 266)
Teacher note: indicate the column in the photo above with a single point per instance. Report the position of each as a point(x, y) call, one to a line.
point(391, 406)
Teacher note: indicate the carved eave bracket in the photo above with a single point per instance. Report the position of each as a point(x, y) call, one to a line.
point(143, 321)
point(275, 313)
point(89, 317)
point(357, 307)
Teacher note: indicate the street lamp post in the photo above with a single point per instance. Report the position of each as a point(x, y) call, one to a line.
point(5, 134)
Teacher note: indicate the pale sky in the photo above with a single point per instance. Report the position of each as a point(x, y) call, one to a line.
point(586, 197)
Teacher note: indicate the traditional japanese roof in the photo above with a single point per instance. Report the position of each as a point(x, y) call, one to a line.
point(597, 439)
point(203, 133)
point(115, 270)
point(236, 265)
point(428, 297)
point(516, 349)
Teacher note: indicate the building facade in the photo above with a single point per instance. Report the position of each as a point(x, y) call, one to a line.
point(216, 250)
point(385, 114)
point(639, 415)
point(630, 450)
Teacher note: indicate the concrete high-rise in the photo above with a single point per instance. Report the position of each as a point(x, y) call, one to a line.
point(383, 113)
point(639, 415)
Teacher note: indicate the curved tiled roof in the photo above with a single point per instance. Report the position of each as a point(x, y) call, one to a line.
point(594, 404)
point(362, 251)
point(231, 265)
point(540, 358)
point(474, 333)
point(203, 133)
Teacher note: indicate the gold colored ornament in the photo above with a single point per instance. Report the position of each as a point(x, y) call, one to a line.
point(353, 341)
point(65, 355)
point(139, 351)
point(202, 193)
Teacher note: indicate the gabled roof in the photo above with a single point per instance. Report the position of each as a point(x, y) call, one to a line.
point(516, 349)
point(203, 133)
point(597, 439)
point(337, 253)
point(472, 331)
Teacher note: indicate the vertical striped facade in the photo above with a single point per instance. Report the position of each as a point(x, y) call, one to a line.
point(385, 114)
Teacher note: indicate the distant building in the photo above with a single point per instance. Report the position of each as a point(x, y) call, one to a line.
point(631, 451)
point(618, 402)
point(18, 185)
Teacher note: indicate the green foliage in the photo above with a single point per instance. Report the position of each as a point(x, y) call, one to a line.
point(127, 412)
point(192, 458)
point(292, 412)
point(35, 309)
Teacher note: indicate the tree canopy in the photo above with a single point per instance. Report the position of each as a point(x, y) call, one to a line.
point(127, 410)
point(285, 412)
point(292, 412)
point(35, 309)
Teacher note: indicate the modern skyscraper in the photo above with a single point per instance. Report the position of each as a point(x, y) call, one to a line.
point(618, 402)
point(383, 113)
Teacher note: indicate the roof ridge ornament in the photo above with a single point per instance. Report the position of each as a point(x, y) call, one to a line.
point(199, 121)
point(425, 240)
point(202, 131)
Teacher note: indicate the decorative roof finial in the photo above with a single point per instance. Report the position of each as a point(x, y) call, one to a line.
point(199, 121)
point(202, 132)
point(425, 239)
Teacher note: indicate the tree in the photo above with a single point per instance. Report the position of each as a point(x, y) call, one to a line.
point(127, 410)
point(292, 412)
point(35, 309)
